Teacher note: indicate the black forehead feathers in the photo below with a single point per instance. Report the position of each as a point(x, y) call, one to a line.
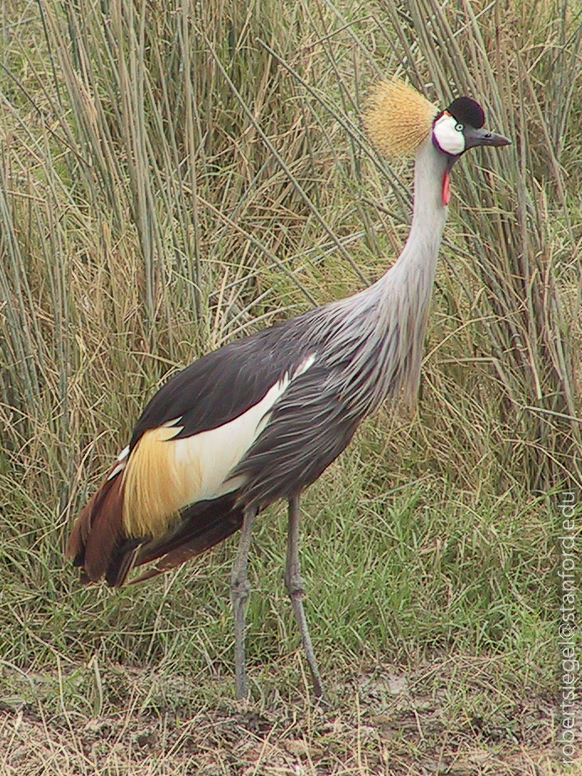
point(467, 111)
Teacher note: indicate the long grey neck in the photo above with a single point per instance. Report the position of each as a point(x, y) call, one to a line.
point(398, 301)
point(406, 288)
point(377, 334)
point(428, 220)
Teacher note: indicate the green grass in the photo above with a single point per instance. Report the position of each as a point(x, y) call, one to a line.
point(171, 178)
point(411, 565)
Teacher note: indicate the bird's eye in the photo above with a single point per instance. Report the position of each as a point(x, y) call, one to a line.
point(459, 127)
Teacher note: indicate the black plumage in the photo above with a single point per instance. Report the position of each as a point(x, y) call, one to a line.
point(261, 418)
point(467, 111)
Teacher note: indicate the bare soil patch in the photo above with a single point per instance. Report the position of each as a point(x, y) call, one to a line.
point(385, 721)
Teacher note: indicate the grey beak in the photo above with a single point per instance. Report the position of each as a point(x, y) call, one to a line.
point(479, 137)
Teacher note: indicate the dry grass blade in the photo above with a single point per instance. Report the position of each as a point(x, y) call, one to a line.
point(517, 258)
point(173, 176)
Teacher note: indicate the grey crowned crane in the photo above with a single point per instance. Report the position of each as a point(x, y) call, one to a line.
point(262, 417)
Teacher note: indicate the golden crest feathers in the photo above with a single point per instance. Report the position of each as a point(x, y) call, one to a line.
point(397, 118)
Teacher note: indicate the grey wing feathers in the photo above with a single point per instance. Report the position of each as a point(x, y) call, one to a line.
point(224, 383)
point(308, 428)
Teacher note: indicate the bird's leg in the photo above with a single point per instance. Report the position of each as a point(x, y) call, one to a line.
point(296, 588)
point(239, 592)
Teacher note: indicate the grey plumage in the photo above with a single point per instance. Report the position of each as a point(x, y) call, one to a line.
point(366, 348)
point(261, 418)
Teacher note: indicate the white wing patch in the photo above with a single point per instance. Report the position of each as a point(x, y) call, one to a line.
point(164, 474)
point(216, 452)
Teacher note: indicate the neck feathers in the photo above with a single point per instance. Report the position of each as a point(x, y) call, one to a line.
point(400, 299)
point(429, 215)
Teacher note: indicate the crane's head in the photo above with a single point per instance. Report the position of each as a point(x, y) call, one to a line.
point(399, 120)
point(460, 127)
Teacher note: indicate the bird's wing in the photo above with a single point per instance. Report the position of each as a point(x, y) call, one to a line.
point(188, 458)
point(309, 426)
point(189, 437)
point(223, 384)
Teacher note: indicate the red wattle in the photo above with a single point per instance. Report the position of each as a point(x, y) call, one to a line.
point(446, 189)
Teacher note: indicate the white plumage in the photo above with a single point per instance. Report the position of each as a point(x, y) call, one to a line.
point(261, 418)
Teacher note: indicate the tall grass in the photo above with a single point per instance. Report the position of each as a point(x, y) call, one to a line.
point(520, 329)
point(173, 176)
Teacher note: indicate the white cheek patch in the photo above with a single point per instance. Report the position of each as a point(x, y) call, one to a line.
point(448, 137)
